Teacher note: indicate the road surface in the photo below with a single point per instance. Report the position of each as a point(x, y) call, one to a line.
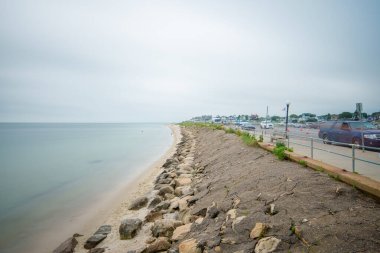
point(301, 144)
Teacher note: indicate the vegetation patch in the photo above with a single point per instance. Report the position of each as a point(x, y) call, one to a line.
point(230, 131)
point(303, 163)
point(249, 140)
point(279, 151)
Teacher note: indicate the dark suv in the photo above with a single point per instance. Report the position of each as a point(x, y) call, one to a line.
point(350, 132)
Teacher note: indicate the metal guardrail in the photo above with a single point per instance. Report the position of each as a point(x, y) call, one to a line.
point(354, 147)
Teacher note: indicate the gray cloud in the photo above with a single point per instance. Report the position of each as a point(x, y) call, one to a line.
point(171, 60)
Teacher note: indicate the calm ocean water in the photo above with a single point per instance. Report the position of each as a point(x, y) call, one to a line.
point(48, 171)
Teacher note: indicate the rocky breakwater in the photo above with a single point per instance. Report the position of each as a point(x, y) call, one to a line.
point(168, 217)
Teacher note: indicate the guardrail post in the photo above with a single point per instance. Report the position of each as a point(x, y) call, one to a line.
point(312, 147)
point(288, 137)
point(353, 158)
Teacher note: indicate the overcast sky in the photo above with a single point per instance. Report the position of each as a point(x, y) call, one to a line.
point(121, 61)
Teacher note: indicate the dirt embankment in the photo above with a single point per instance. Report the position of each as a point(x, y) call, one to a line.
point(306, 210)
point(215, 194)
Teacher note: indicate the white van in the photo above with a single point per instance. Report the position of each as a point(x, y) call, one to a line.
point(266, 125)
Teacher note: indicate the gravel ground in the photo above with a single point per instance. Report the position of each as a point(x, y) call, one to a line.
point(311, 212)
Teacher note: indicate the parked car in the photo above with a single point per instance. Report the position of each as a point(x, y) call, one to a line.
point(350, 132)
point(266, 124)
point(248, 127)
point(312, 125)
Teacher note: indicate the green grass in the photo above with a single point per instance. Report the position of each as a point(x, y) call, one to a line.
point(335, 177)
point(230, 131)
point(249, 140)
point(303, 163)
point(320, 169)
point(212, 126)
point(279, 151)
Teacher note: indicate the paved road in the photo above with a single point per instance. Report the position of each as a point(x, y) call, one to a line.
point(299, 143)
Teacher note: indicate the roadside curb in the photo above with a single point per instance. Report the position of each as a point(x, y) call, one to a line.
point(363, 183)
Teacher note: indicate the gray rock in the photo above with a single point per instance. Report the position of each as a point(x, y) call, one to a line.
point(165, 227)
point(129, 228)
point(97, 250)
point(199, 212)
point(156, 200)
point(162, 206)
point(67, 246)
point(171, 216)
point(94, 240)
point(159, 186)
point(192, 200)
point(169, 196)
point(165, 189)
point(138, 203)
point(212, 212)
point(153, 216)
point(105, 229)
point(167, 163)
point(165, 181)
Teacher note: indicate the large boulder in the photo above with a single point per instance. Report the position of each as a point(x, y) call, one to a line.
point(258, 230)
point(165, 189)
point(138, 203)
point(156, 200)
point(67, 246)
point(189, 246)
point(94, 240)
point(105, 230)
point(167, 163)
point(184, 190)
point(162, 206)
point(182, 181)
point(153, 216)
point(160, 244)
point(181, 231)
point(267, 244)
point(129, 228)
point(165, 227)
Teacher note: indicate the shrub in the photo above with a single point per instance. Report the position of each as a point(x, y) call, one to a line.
point(261, 138)
point(279, 151)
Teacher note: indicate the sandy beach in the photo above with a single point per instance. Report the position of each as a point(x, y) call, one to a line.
point(111, 209)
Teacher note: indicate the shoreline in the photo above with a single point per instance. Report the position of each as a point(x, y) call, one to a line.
point(217, 194)
point(110, 208)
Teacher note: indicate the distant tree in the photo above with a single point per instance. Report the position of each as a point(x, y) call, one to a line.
point(328, 116)
point(307, 114)
point(293, 116)
point(312, 120)
point(346, 115)
point(275, 118)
